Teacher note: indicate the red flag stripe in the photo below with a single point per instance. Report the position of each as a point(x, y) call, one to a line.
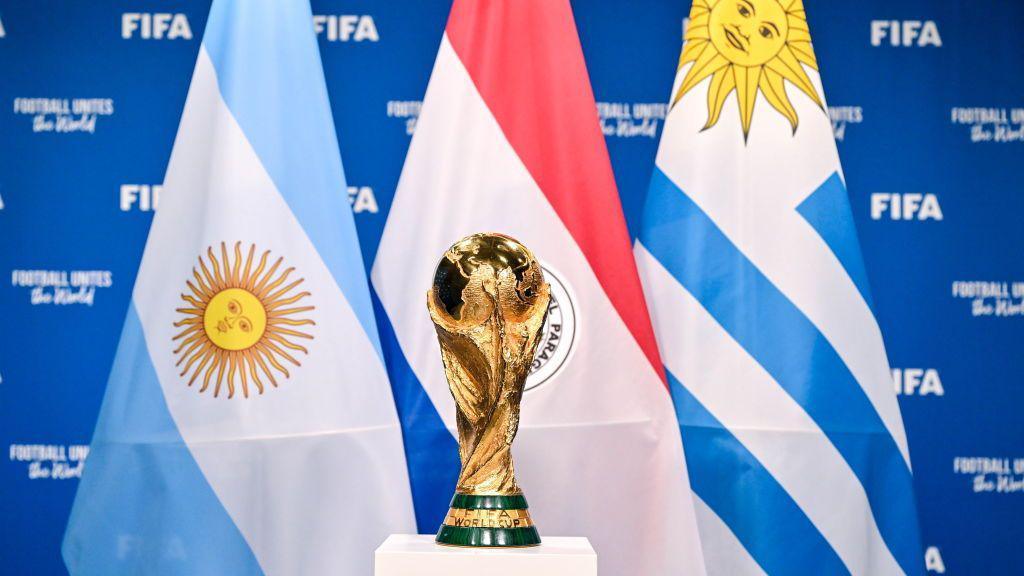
point(525, 59)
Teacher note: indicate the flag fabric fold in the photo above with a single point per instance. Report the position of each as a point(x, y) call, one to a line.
point(796, 450)
point(235, 437)
point(508, 140)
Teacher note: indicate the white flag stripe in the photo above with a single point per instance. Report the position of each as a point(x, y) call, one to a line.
point(768, 422)
point(462, 176)
point(335, 410)
point(724, 554)
point(770, 232)
point(236, 183)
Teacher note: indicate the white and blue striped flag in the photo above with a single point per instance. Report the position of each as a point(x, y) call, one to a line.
point(750, 262)
point(248, 425)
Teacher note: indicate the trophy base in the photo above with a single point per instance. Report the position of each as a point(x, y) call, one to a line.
point(488, 521)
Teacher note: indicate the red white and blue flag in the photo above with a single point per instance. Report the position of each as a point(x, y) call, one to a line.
point(508, 141)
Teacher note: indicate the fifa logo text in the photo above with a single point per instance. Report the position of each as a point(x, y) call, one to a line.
point(345, 28)
point(907, 206)
point(905, 33)
point(160, 26)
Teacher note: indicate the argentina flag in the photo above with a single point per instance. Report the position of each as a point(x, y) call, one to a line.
point(750, 262)
point(248, 425)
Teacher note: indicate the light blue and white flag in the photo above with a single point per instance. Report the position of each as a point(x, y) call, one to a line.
point(248, 425)
point(795, 446)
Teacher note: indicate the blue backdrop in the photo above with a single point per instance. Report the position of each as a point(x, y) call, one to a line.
point(927, 100)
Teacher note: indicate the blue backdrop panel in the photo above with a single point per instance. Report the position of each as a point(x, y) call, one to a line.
point(927, 102)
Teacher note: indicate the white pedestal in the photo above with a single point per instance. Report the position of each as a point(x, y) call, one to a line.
point(419, 555)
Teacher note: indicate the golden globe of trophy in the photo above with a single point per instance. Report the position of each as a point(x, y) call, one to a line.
point(488, 303)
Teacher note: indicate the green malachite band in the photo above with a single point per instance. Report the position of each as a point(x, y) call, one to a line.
point(474, 502)
point(461, 536)
point(489, 536)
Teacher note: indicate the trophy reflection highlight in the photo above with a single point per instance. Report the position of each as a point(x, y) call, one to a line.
point(488, 303)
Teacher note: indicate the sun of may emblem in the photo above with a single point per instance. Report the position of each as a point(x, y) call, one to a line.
point(746, 46)
point(240, 322)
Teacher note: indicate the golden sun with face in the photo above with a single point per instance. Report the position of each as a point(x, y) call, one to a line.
point(238, 323)
point(746, 46)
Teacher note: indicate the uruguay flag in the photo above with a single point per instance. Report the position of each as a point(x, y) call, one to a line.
point(751, 266)
point(248, 425)
point(509, 141)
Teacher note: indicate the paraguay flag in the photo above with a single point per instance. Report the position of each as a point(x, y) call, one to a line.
point(508, 141)
point(248, 425)
point(751, 265)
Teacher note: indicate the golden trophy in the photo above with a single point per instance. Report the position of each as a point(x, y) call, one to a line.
point(488, 303)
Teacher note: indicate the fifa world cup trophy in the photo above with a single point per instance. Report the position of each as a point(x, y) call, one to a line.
point(488, 303)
